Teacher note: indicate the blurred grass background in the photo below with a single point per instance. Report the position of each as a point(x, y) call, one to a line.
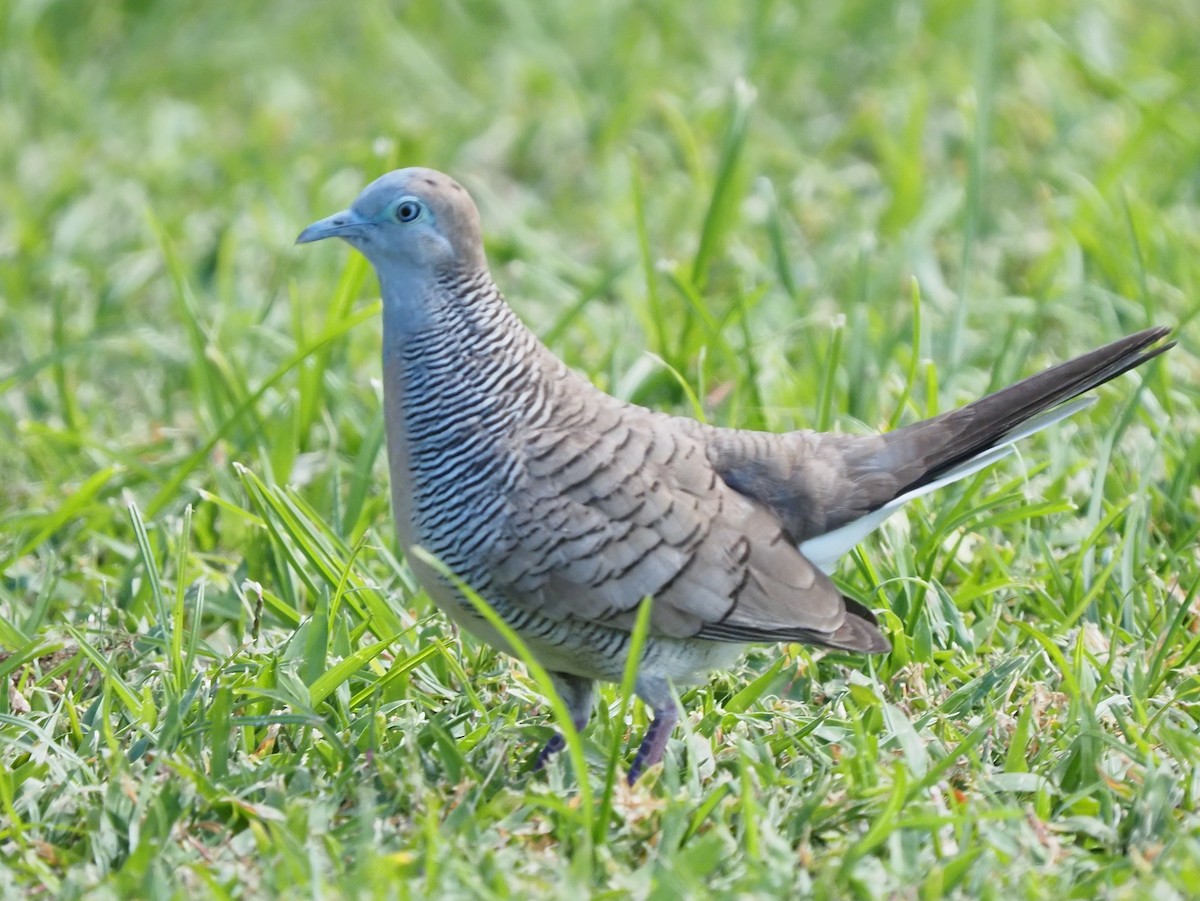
point(221, 682)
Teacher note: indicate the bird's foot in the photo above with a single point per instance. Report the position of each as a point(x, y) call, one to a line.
point(654, 744)
point(549, 749)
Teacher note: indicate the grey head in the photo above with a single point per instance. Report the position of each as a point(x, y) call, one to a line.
point(410, 223)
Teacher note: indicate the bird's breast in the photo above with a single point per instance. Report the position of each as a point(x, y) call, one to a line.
point(451, 454)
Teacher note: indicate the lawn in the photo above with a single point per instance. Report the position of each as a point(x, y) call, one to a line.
point(220, 677)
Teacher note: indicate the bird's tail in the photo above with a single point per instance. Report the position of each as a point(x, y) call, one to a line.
point(1012, 413)
point(956, 444)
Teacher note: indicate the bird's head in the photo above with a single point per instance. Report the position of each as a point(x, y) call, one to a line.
point(411, 221)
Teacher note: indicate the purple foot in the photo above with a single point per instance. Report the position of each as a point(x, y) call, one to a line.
point(552, 747)
point(654, 744)
point(577, 693)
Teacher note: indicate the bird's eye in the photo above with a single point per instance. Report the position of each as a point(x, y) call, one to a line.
point(407, 211)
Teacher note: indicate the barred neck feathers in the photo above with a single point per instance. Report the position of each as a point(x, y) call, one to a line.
point(469, 380)
point(466, 338)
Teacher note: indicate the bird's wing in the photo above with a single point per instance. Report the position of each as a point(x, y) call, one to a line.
point(627, 505)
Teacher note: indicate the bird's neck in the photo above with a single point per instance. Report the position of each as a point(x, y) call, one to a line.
point(462, 376)
point(453, 332)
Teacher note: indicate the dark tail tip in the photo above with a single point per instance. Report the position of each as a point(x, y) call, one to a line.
point(860, 631)
point(961, 434)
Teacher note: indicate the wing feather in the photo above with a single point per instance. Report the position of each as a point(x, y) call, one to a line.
point(627, 504)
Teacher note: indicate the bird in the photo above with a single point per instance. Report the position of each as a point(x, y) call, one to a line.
point(563, 507)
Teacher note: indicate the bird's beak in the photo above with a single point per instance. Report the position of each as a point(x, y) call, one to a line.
point(345, 224)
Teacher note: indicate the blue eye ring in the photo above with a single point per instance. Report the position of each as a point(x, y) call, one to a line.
point(407, 210)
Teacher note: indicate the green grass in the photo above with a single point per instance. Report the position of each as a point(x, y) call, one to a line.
point(222, 682)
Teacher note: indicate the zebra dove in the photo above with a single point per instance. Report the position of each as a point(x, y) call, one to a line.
point(564, 507)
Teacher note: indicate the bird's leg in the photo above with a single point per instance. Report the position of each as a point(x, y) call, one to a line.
point(656, 694)
point(577, 693)
point(654, 744)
